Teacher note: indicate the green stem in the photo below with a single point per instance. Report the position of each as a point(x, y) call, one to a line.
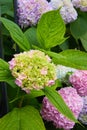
point(21, 101)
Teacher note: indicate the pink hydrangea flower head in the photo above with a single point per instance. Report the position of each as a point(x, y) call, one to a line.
point(83, 114)
point(79, 81)
point(33, 70)
point(74, 102)
point(30, 11)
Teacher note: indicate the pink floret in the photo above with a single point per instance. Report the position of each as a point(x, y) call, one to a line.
point(18, 82)
point(12, 63)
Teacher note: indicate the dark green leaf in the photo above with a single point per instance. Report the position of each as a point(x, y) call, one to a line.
point(27, 118)
point(16, 34)
point(79, 27)
point(65, 45)
point(2, 2)
point(7, 9)
point(84, 41)
point(31, 36)
point(5, 74)
point(56, 99)
point(51, 29)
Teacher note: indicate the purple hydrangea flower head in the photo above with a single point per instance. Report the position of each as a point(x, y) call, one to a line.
point(67, 11)
point(79, 81)
point(82, 4)
point(83, 114)
point(74, 102)
point(33, 70)
point(76, 3)
point(30, 11)
point(63, 70)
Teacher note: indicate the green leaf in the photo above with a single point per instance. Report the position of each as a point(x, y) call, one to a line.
point(4, 70)
point(51, 29)
point(79, 27)
point(16, 34)
point(11, 82)
point(5, 73)
point(32, 36)
point(72, 58)
point(27, 118)
point(5, 2)
point(7, 7)
point(65, 45)
point(56, 99)
point(84, 41)
point(3, 65)
point(35, 93)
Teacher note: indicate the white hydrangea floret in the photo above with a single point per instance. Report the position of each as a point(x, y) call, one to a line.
point(63, 70)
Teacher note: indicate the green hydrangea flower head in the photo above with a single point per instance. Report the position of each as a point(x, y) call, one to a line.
point(33, 70)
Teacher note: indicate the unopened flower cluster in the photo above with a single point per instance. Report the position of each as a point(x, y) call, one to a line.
point(74, 102)
point(29, 11)
point(33, 70)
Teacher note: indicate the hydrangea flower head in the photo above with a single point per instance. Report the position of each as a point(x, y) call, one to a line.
point(76, 3)
point(30, 11)
point(79, 81)
point(74, 102)
point(67, 10)
point(83, 114)
point(56, 4)
point(33, 70)
point(82, 4)
point(63, 70)
point(68, 13)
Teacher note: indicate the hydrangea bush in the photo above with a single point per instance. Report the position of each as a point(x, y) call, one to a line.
point(43, 64)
